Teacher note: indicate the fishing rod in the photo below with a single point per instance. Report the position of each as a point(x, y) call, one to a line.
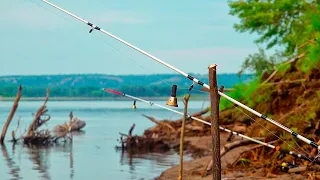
point(276, 148)
point(195, 80)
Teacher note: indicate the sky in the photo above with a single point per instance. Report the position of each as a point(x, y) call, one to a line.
point(37, 39)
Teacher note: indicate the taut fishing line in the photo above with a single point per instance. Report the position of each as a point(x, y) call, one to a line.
point(147, 69)
point(271, 131)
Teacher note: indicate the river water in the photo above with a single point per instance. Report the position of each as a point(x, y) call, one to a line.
point(92, 155)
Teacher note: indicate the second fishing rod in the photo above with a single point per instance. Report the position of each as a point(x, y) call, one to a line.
point(276, 148)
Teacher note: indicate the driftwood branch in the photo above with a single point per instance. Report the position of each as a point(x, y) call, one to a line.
point(131, 129)
point(122, 134)
point(14, 140)
point(159, 122)
point(13, 110)
point(37, 122)
point(270, 77)
point(285, 82)
point(235, 144)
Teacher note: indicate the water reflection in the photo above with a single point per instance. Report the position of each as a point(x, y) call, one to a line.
point(39, 158)
point(91, 154)
point(14, 169)
point(71, 162)
point(154, 162)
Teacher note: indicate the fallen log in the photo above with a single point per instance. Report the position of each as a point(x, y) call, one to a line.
point(13, 110)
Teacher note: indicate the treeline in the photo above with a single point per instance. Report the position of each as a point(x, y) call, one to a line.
point(89, 85)
point(113, 81)
point(151, 91)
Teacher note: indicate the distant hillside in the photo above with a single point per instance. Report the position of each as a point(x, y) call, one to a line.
point(89, 85)
point(113, 81)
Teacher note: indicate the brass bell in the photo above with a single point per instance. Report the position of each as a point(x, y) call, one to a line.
point(134, 105)
point(173, 99)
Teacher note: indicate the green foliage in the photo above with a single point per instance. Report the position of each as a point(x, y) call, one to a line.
point(278, 22)
point(241, 92)
point(258, 63)
point(283, 68)
point(284, 23)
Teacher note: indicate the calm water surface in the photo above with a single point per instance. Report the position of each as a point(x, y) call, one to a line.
point(92, 154)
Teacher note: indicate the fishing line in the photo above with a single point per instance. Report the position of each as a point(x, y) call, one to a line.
point(267, 128)
point(129, 57)
point(149, 70)
point(140, 112)
point(52, 12)
point(269, 131)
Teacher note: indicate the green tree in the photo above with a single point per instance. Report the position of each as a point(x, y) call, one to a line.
point(259, 63)
point(292, 25)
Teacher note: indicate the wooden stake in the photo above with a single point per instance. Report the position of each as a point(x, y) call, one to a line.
point(185, 114)
point(13, 110)
point(214, 97)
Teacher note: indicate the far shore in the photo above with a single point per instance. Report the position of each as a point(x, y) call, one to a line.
point(93, 98)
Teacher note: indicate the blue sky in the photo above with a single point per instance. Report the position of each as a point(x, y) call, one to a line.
point(188, 34)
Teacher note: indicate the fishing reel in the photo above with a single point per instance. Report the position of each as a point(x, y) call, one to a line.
point(285, 166)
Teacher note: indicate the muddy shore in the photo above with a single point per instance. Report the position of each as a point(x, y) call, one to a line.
point(193, 169)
